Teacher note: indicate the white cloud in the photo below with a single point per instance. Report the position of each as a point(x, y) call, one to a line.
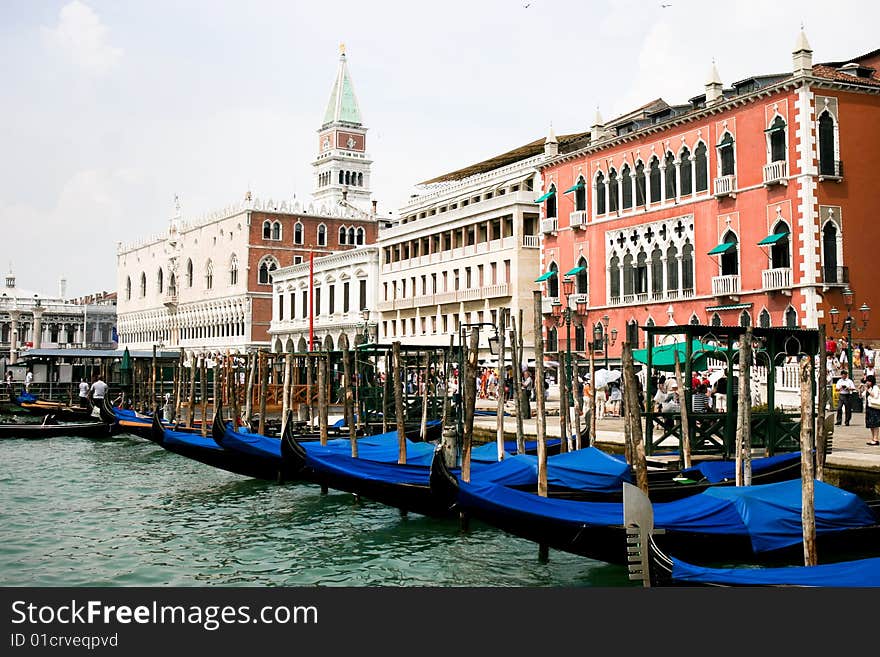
point(81, 36)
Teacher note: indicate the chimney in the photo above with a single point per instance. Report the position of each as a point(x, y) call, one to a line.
point(802, 56)
point(713, 86)
point(62, 287)
point(551, 146)
point(597, 130)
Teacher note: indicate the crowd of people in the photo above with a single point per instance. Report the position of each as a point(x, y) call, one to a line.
point(841, 381)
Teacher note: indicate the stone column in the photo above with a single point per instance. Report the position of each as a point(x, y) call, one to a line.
point(14, 316)
point(38, 326)
point(662, 183)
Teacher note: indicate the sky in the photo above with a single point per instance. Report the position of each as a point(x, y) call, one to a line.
point(110, 108)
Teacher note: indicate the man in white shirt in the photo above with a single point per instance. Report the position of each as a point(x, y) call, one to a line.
point(98, 390)
point(845, 390)
point(84, 393)
point(28, 380)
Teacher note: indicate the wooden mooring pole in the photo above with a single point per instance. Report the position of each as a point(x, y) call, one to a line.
point(540, 409)
point(264, 390)
point(683, 403)
point(470, 400)
point(744, 410)
point(633, 418)
point(499, 422)
point(516, 364)
point(808, 508)
point(397, 383)
point(822, 393)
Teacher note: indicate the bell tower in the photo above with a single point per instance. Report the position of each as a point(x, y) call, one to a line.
point(342, 167)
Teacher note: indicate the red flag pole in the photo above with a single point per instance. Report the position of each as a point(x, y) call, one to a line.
point(311, 300)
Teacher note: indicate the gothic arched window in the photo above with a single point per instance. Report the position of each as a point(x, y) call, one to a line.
point(267, 265)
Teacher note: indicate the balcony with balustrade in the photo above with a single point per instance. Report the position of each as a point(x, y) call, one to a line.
point(831, 170)
point(778, 279)
point(578, 219)
point(531, 241)
point(725, 186)
point(726, 286)
point(835, 276)
point(547, 304)
point(776, 173)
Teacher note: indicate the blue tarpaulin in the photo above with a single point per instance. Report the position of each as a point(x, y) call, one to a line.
point(191, 440)
point(717, 471)
point(858, 573)
point(770, 514)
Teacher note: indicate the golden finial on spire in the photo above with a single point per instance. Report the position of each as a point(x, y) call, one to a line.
point(342, 49)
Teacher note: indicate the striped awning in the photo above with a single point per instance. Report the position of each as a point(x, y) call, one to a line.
point(733, 306)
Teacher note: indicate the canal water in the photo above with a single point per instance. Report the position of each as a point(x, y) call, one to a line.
point(124, 512)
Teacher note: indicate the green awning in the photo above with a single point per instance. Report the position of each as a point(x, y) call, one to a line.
point(543, 198)
point(663, 356)
point(545, 276)
point(576, 271)
point(773, 238)
point(722, 248)
point(578, 185)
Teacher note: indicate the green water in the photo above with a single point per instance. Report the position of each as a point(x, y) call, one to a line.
point(124, 512)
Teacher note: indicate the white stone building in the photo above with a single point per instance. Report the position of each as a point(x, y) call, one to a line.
point(205, 284)
point(465, 247)
point(343, 296)
point(31, 320)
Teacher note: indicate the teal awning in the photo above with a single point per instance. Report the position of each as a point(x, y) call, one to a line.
point(721, 248)
point(543, 198)
point(578, 185)
point(545, 276)
point(773, 238)
point(663, 356)
point(576, 271)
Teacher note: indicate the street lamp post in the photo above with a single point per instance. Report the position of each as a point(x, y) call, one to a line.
point(848, 322)
point(564, 313)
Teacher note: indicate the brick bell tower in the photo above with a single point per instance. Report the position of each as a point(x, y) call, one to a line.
point(342, 168)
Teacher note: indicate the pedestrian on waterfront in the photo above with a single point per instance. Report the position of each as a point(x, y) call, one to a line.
point(872, 409)
point(700, 400)
point(845, 388)
point(528, 384)
point(83, 393)
point(9, 382)
point(28, 380)
point(614, 400)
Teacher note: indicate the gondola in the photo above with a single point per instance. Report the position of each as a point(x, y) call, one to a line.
point(757, 524)
point(206, 450)
point(128, 421)
point(650, 564)
point(664, 484)
point(50, 428)
point(62, 412)
point(376, 475)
